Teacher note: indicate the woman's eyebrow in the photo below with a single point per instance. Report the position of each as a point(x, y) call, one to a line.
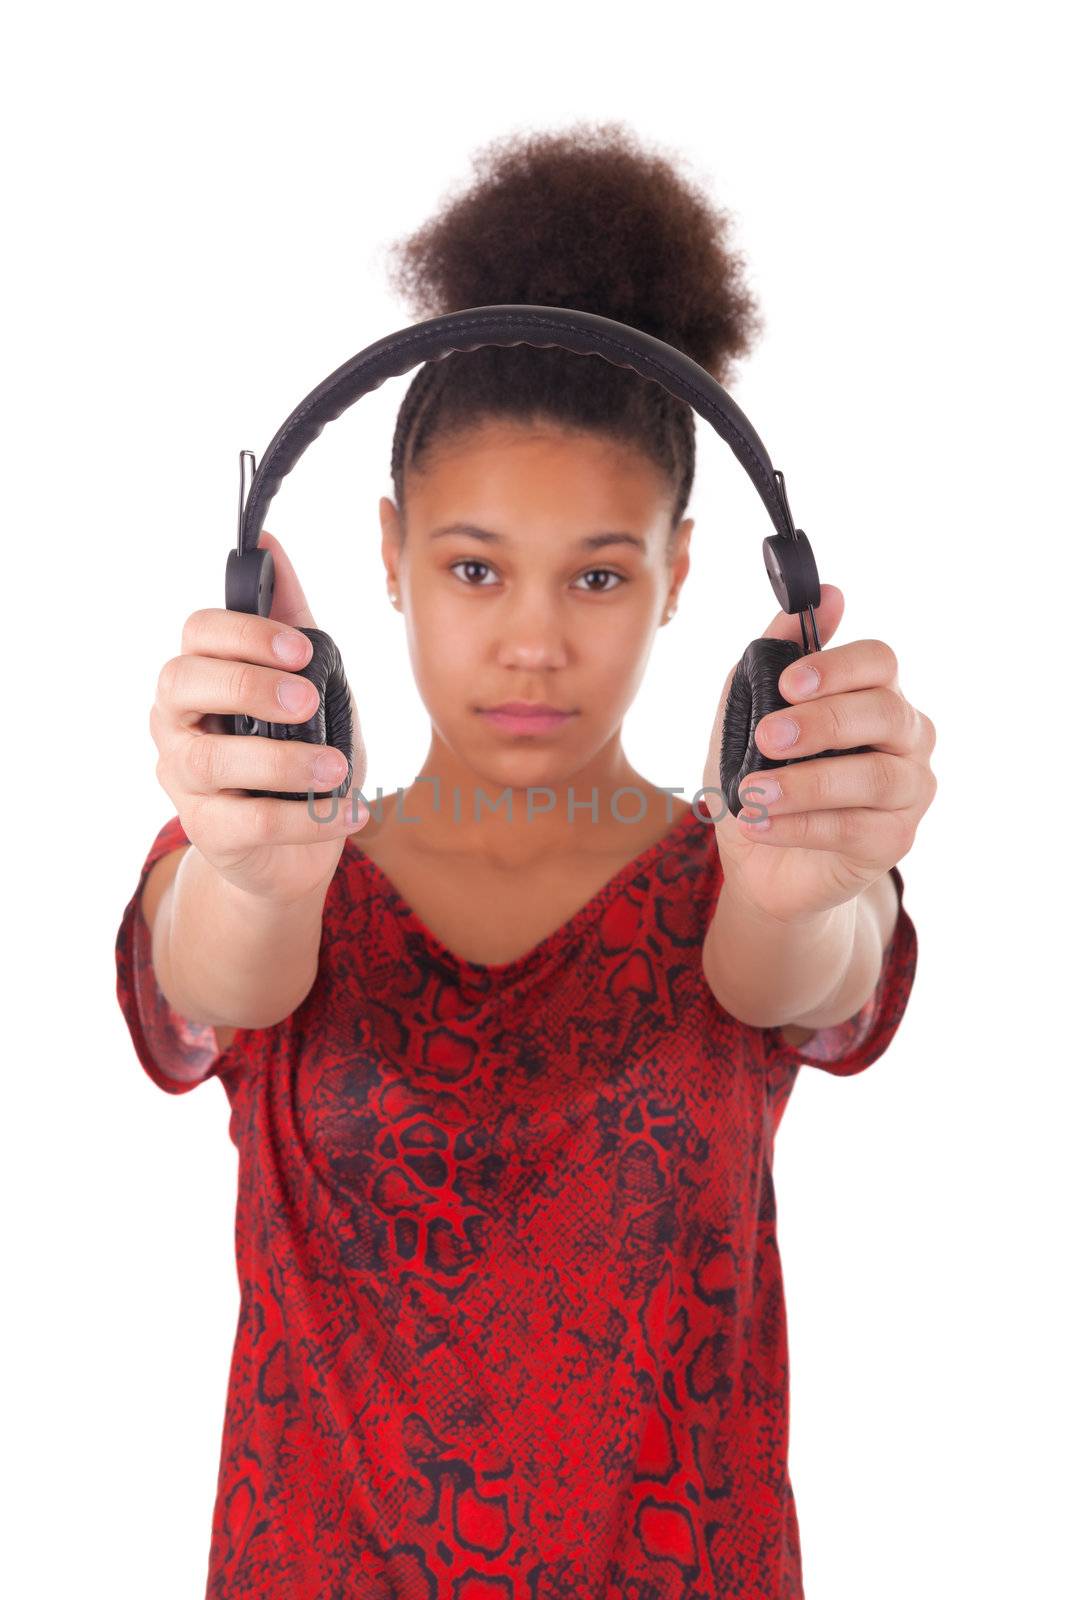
point(592, 541)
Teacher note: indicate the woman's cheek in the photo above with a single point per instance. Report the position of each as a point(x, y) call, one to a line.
point(448, 676)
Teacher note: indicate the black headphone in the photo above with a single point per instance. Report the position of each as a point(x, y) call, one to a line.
point(787, 554)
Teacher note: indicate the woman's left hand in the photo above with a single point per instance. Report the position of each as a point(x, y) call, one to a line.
point(842, 820)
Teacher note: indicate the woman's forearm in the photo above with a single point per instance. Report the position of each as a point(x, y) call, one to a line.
point(224, 957)
point(814, 973)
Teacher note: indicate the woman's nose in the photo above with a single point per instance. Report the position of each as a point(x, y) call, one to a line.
point(532, 636)
point(532, 652)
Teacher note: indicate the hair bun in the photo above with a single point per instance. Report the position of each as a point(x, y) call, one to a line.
point(586, 218)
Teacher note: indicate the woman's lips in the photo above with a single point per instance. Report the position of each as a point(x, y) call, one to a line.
point(527, 721)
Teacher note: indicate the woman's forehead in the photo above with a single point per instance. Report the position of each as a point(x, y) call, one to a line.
point(505, 481)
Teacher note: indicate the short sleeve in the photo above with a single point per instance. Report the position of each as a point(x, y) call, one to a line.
point(852, 1045)
point(176, 1054)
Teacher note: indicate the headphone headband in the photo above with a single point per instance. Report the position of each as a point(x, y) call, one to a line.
point(545, 327)
point(787, 555)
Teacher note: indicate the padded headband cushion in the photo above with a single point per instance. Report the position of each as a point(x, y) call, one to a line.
point(555, 327)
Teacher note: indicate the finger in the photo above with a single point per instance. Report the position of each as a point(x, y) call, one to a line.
point(878, 717)
point(862, 664)
point(244, 822)
point(206, 763)
point(289, 603)
point(243, 636)
point(191, 686)
point(876, 778)
point(828, 613)
point(876, 839)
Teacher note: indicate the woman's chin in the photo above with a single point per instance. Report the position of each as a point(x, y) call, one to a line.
point(516, 767)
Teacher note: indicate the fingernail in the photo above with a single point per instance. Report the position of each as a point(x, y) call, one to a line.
point(329, 768)
point(293, 696)
point(290, 648)
point(762, 792)
point(780, 732)
point(801, 680)
point(356, 813)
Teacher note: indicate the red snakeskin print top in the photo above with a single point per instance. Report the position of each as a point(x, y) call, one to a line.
point(511, 1318)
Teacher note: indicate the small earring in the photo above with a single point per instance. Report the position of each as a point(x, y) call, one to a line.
point(393, 596)
point(670, 612)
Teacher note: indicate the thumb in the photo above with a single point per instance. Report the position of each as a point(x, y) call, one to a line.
point(289, 604)
point(828, 613)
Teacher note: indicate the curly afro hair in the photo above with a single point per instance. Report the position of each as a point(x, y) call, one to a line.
point(584, 218)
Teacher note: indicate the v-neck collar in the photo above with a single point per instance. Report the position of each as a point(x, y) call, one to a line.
point(503, 971)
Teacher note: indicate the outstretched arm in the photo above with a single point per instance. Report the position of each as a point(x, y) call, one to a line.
point(804, 975)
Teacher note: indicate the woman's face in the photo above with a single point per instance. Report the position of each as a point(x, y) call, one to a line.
point(556, 599)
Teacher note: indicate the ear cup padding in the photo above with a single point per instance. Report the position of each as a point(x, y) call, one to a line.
point(331, 723)
point(753, 695)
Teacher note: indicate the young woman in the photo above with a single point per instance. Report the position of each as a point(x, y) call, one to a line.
point(506, 1058)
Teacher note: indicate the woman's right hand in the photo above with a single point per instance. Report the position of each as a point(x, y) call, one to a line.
point(274, 849)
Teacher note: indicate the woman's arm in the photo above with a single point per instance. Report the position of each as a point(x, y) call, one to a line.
point(812, 973)
point(224, 957)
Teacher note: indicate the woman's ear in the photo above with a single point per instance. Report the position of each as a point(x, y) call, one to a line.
point(388, 516)
point(391, 535)
point(390, 521)
point(679, 566)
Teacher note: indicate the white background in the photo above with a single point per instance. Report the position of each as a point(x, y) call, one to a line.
point(197, 202)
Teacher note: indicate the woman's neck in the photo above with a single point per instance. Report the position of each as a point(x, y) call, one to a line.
point(548, 814)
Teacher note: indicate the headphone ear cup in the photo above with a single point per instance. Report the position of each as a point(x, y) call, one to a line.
point(754, 694)
point(331, 723)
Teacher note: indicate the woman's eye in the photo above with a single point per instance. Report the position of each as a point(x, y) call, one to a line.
point(596, 572)
point(603, 572)
point(471, 563)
